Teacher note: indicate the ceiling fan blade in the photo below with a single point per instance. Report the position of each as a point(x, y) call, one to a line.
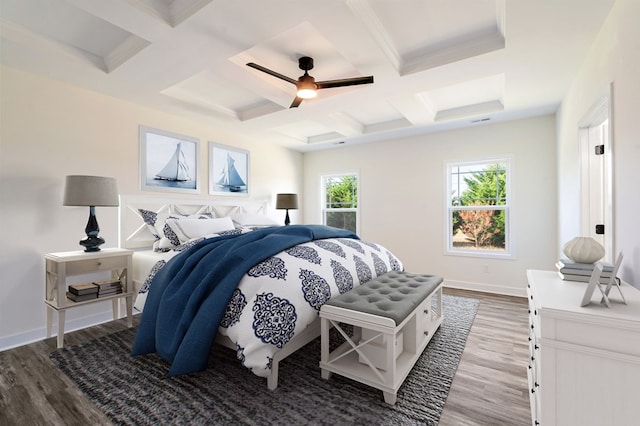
point(344, 82)
point(270, 72)
point(296, 102)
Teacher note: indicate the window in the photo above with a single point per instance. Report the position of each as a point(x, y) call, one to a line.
point(478, 208)
point(340, 201)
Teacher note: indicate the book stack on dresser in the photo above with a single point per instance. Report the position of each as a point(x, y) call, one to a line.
point(108, 287)
point(573, 271)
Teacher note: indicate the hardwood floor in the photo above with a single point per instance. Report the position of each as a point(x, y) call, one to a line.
point(490, 386)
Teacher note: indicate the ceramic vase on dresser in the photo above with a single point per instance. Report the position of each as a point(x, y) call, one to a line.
point(583, 250)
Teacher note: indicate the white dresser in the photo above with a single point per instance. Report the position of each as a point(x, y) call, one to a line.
point(584, 361)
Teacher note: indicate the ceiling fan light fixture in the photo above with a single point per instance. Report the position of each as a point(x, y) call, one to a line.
point(306, 87)
point(306, 93)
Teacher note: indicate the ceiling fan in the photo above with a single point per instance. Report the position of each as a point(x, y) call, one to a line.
point(306, 85)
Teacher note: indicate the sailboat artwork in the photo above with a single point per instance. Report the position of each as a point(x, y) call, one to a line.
point(176, 169)
point(230, 180)
point(168, 161)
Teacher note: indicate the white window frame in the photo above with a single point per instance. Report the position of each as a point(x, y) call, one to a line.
point(509, 252)
point(323, 197)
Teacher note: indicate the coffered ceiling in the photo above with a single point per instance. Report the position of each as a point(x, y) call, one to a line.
point(437, 64)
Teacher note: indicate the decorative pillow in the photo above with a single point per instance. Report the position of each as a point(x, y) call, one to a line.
point(188, 229)
point(252, 219)
point(166, 239)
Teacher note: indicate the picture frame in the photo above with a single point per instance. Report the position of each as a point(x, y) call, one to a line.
point(594, 281)
point(228, 170)
point(168, 161)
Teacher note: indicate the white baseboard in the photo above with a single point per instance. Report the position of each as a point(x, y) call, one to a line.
point(486, 288)
point(20, 339)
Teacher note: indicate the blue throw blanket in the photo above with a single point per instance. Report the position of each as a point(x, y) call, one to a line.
point(188, 296)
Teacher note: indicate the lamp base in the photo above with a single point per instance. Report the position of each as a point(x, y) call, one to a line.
point(286, 219)
point(92, 243)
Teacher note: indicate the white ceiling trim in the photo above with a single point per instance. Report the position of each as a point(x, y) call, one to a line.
point(469, 110)
point(362, 9)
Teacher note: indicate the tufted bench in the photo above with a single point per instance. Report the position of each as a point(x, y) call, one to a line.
point(394, 317)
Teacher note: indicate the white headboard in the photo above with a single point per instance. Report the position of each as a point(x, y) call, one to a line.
point(133, 233)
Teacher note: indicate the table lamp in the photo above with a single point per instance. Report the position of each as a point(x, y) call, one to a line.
point(286, 202)
point(91, 191)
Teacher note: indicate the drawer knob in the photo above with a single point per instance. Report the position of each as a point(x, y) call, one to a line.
point(536, 347)
point(532, 326)
point(99, 263)
point(426, 333)
point(426, 311)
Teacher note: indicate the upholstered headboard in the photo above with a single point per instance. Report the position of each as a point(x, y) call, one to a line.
point(134, 234)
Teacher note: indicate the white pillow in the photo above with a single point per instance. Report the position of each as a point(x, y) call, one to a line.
point(188, 229)
point(252, 219)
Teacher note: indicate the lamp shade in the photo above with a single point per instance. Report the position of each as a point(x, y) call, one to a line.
point(286, 201)
point(90, 191)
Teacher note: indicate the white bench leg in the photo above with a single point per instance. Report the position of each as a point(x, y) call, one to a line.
point(389, 398)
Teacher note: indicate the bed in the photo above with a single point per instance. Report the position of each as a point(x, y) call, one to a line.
point(296, 280)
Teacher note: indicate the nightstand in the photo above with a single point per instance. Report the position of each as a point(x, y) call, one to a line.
point(61, 265)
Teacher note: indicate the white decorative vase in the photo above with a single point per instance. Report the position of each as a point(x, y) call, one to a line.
point(583, 250)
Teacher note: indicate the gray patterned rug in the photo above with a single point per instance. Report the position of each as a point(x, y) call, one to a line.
point(137, 391)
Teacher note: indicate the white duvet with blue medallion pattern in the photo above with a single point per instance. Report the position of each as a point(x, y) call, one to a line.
point(281, 296)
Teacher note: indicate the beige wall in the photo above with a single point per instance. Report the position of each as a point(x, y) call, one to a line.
point(613, 59)
point(402, 185)
point(49, 130)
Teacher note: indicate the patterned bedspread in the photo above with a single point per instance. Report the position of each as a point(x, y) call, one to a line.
point(280, 296)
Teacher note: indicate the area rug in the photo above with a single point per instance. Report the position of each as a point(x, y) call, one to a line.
point(137, 390)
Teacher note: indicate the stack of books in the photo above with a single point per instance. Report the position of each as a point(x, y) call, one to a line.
point(572, 271)
point(108, 287)
point(82, 292)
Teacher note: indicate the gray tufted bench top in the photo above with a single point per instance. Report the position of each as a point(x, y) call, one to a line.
point(393, 295)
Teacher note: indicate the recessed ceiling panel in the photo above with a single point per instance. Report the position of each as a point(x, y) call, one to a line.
point(172, 12)
point(72, 27)
point(303, 130)
point(467, 93)
point(433, 23)
point(209, 90)
point(435, 32)
point(375, 112)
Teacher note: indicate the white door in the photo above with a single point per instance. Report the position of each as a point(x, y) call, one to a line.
point(596, 175)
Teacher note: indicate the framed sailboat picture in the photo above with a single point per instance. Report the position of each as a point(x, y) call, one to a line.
point(228, 170)
point(168, 162)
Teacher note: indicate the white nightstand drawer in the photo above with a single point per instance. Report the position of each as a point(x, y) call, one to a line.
point(95, 265)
